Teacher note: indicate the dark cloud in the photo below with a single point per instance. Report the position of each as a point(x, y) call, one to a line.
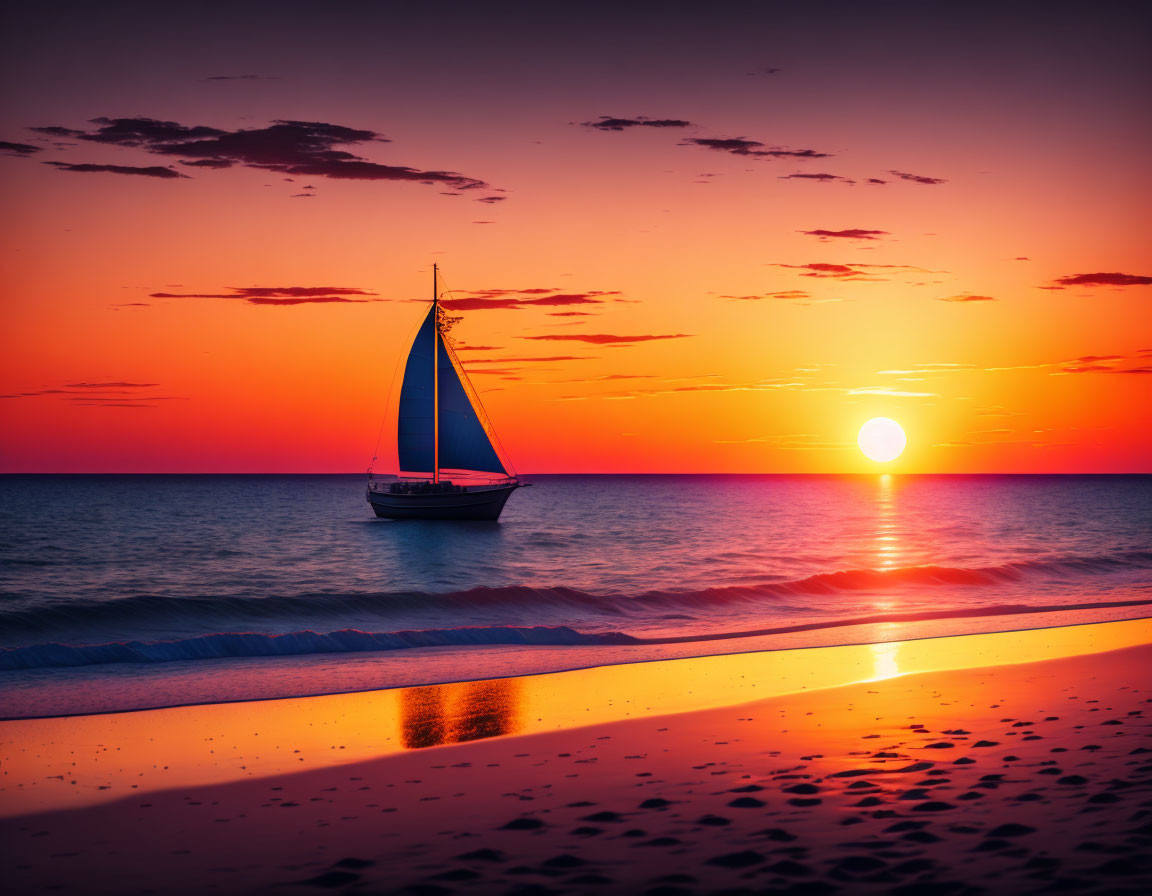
point(55, 131)
point(739, 146)
point(570, 314)
point(1092, 359)
point(766, 70)
point(500, 299)
point(282, 295)
point(607, 123)
point(207, 163)
point(478, 303)
point(875, 180)
point(306, 148)
point(1136, 370)
point(604, 338)
point(966, 298)
point(854, 234)
point(822, 178)
point(1102, 279)
point(150, 171)
point(18, 149)
point(917, 178)
point(491, 198)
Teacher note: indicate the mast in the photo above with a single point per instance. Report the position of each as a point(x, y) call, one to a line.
point(435, 378)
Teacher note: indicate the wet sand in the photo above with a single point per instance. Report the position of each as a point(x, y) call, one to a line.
point(1031, 777)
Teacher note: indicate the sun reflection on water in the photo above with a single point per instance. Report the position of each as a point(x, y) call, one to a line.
point(886, 540)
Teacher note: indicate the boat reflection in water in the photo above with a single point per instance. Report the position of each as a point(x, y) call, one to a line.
point(455, 713)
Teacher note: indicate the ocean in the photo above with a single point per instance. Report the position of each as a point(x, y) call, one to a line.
point(129, 592)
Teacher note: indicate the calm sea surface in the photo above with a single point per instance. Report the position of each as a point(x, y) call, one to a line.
point(129, 591)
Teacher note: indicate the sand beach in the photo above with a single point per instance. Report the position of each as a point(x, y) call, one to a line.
point(1007, 762)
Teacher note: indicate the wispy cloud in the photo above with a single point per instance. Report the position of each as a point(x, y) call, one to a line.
point(823, 178)
point(802, 441)
point(609, 123)
point(500, 299)
point(529, 360)
point(18, 149)
point(918, 178)
point(605, 338)
point(740, 146)
point(966, 297)
point(786, 295)
point(853, 234)
point(149, 171)
point(282, 295)
point(117, 393)
point(869, 273)
point(891, 393)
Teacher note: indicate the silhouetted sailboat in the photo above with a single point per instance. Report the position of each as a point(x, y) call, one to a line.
point(441, 426)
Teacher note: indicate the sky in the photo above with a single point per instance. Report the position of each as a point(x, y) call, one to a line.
point(694, 239)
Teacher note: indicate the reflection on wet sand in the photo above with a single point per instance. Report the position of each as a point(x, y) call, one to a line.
point(454, 713)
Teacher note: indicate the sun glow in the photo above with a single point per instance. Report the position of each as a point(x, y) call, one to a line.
point(882, 439)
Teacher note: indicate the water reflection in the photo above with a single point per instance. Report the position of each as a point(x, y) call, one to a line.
point(884, 660)
point(454, 713)
point(887, 542)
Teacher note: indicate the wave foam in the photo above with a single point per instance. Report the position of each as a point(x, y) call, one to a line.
point(232, 645)
point(228, 611)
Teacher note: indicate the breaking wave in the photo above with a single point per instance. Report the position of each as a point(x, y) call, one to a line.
point(231, 645)
point(222, 612)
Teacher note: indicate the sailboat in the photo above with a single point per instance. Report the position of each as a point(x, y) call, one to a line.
point(441, 426)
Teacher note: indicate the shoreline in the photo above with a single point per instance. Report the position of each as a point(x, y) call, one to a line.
point(523, 706)
point(758, 639)
point(944, 770)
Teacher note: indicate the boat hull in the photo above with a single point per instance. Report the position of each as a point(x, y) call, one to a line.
point(483, 504)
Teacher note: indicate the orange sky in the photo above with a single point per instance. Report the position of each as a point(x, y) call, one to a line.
point(1037, 131)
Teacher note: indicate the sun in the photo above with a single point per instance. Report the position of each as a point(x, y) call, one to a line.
point(882, 439)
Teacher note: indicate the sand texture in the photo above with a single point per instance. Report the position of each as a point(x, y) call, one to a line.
point(1033, 778)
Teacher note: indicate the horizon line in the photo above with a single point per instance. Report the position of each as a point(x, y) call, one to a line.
point(586, 473)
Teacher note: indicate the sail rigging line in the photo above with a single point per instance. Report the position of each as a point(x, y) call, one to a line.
point(474, 396)
point(478, 407)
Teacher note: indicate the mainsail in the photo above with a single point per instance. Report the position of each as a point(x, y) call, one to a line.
point(436, 411)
